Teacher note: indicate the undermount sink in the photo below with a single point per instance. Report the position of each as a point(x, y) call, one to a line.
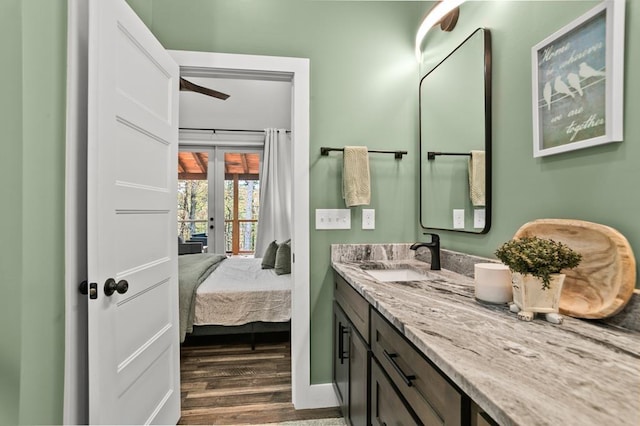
point(396, 275)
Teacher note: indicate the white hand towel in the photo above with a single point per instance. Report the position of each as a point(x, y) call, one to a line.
point(356, 182)
point(477, 178)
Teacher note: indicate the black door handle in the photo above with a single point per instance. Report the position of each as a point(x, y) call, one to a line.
point(110, 286)
point(342, 354)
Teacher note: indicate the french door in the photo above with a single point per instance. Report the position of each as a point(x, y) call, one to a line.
point(218, 197)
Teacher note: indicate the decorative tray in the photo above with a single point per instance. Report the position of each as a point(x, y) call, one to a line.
point(604, 281)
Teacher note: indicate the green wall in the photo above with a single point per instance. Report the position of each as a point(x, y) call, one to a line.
point(10, 208)
point(32, 107)
point(363, 92)
point(364, 83)
point(597, 184)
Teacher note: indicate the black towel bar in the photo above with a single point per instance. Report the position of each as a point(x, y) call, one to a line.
point(431, 155)
point(397, 154)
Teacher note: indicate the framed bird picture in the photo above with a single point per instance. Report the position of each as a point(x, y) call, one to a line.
point(578, 82)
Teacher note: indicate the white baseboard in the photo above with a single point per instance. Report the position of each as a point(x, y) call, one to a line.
point(318, 396)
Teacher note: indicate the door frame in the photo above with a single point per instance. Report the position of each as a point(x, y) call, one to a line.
point(76, 381)
point(304, 394)
point(75, 405)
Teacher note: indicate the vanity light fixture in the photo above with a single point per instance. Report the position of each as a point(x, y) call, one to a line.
point(443, 13)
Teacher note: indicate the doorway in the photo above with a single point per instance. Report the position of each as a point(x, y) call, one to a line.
point(296, 70)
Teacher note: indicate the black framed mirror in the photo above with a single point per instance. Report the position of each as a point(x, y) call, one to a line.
point(455, 139)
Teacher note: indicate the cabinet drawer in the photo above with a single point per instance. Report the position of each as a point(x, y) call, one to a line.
point(387, 407)
point(353, 304)
point(435, 401)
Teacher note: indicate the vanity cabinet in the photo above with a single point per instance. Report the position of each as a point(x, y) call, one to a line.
point(380, 378)
point(351, 353)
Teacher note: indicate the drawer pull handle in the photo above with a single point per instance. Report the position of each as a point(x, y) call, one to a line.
point(342, 354)
point(391, 358)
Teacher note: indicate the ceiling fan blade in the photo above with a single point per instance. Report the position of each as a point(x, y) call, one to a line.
point(191, 87)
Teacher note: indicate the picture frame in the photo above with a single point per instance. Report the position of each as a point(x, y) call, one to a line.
point(577, 82)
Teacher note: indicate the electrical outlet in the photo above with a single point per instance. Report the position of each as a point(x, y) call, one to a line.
point(458, 218)
point(478, 218)
point(368, 219)
point(333, 219)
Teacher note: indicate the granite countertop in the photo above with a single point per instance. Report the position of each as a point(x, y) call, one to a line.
point(521, 373)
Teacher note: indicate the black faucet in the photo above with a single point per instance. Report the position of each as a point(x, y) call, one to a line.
point(434, 248)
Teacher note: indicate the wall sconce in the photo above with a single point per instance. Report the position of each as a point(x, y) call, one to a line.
point(444, 13)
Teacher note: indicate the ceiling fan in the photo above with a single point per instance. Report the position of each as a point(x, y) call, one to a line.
point(186, 85)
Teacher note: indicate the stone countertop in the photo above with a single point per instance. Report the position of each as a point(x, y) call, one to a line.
point(521, 373)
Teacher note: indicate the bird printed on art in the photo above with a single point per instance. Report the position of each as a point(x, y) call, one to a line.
point(574, 81)
point(586, 71)
point(561, 87)
point(546, 93)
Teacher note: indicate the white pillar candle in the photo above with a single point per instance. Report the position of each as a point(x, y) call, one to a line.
point(493, 283)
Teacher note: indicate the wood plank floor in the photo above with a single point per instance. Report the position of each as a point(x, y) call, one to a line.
point(224, 382)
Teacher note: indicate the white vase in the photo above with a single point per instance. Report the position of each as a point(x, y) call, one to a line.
point(529, 296)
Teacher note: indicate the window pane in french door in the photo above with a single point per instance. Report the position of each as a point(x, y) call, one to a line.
point(241, 201)
point(193, 187)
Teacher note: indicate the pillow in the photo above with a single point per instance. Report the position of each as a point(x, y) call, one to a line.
point(269, 258)
point(283, 258)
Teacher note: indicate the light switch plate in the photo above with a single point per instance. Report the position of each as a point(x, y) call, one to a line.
point(368, 219)
point(333, 219)
point(458, 218)
point(478, 218)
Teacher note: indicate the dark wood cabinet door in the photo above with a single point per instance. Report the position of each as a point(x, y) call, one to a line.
point(387, 408)
point(358, 378)
point(340, 358)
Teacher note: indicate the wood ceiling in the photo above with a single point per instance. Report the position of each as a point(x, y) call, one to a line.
point(194, 165)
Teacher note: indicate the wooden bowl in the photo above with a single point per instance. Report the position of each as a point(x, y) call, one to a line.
point(604, 281)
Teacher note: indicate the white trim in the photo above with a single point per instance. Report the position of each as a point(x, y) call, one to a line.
point(317, 396)
point(304, 394)
point(75, 403)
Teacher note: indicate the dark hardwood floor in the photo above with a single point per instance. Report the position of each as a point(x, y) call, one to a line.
point(224, 382)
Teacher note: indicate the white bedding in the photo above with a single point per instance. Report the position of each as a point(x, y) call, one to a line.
point(239, 291)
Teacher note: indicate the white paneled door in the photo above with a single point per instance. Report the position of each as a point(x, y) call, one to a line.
point(134, 374)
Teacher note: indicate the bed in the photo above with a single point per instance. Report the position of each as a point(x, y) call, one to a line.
point(220, 295)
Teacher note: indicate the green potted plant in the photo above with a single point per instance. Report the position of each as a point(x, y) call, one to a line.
point(536, 265)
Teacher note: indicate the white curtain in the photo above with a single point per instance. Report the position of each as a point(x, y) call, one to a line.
point(274, 218)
